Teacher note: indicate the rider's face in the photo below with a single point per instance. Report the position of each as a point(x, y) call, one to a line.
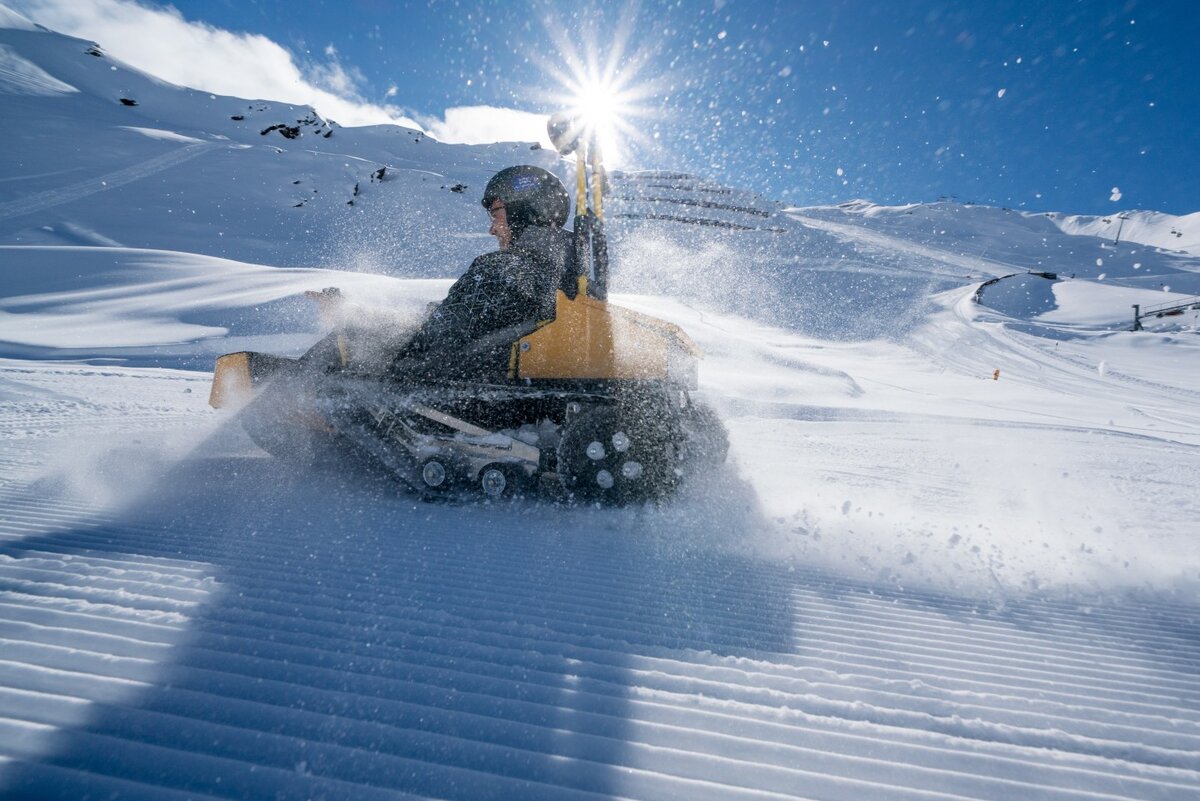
point(500, 228)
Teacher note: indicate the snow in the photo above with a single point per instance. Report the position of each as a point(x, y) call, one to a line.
point(952, 553)
point(167, 136)
point(21, 77)
point(105, 302)
point(1166, 231)
point(14, 20)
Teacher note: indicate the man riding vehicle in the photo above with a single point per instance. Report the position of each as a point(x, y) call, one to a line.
point(472, 329)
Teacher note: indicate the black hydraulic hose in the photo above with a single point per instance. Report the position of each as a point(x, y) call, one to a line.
point(582, 253)
point(599, 287)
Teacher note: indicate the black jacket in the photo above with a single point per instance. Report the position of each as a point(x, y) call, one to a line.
point(500, 290)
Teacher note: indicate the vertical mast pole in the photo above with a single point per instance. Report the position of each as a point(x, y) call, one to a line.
point(599, 243)
point(583, 238)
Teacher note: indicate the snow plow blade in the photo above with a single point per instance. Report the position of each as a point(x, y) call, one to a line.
point(238, 376)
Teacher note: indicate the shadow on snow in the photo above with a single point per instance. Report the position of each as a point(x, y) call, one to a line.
point(360, 639)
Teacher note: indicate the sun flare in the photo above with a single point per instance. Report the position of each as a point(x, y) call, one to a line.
point(598, 104)
point(603, 113)
point(602, 86)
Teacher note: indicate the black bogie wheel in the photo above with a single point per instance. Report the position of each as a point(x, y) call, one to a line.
point(610, 455)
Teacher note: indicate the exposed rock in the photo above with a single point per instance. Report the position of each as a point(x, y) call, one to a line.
point(286, 131)
point(125, 101)
point(238, 117)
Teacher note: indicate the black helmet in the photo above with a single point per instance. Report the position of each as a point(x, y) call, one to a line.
point(531, 196)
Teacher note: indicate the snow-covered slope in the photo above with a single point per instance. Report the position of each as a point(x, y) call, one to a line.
point(952, 244)
point(913, 580)
point(1154, 228)
point(952, 555)
point(185, 618)
point(165, 307)
point(258, 181)
point(224, 176)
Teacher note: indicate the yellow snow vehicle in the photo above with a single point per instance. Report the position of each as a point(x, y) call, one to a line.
point(593, 405)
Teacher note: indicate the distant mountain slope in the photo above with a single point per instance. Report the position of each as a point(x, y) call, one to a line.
point(104, 154)
point(978, 244)
point(1154, 228)
point(101, 154)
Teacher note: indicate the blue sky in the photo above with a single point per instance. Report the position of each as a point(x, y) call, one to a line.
point(1041, 106)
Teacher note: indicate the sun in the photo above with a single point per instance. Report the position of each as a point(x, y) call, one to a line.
point(598, 105)
point(602, 86)
point(603, 115)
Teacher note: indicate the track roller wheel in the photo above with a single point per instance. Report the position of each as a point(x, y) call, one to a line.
point(497, 481)
point(435, 474)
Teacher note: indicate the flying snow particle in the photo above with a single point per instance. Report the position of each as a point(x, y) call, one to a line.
point(721, 35)
point(1099, 262)
point(1101, 276)
point(1102, 368)
point(1001, 93)
point(786, 71)
point(840, 172)
point(1116, 195)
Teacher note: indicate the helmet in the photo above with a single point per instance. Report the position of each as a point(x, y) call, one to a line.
point(531, 196)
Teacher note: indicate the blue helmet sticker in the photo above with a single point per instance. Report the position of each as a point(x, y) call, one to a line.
point(525, 182)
